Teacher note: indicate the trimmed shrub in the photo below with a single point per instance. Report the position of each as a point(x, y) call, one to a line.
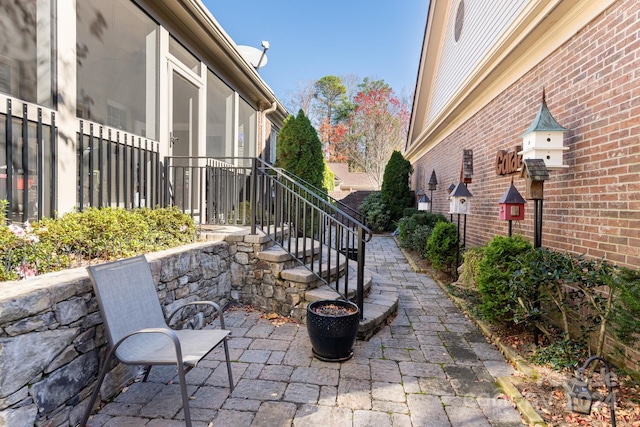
point(395, 190)
point(442, 246)
point(299, 150)
point(375, 212)
point(108, 233)
point(496, 269)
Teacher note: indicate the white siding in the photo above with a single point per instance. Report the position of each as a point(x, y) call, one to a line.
point(484, 23)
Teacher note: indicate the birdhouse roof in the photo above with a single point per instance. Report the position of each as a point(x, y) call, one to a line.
point(544, 121)
point(433, 180)
point(535, 169)
point(424, 199)
point(512, 196)
point(461, 190)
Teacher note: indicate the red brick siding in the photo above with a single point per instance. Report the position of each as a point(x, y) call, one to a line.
point(593, 88)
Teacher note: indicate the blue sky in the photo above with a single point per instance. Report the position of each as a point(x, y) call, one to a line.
point(379, 39)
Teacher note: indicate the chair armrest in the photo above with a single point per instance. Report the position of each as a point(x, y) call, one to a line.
point(164, 331)
point(210, 303)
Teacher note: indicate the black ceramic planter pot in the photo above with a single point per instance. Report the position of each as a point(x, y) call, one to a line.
point(332, 336)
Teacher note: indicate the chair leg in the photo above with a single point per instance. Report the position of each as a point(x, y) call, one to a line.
point(185, 396)
point(147, 370)
point(96, 390)
point(226, 353)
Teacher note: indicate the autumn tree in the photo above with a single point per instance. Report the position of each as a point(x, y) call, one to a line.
point(376, 127)
point(329, 92)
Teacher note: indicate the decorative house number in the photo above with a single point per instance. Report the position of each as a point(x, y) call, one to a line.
point(508, 162)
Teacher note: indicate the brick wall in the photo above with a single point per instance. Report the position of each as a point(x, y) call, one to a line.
point(592, 88)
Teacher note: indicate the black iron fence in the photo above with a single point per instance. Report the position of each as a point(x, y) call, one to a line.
point(28, 159)
point(117, 169)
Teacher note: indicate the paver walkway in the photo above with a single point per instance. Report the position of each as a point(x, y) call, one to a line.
point(430, 367)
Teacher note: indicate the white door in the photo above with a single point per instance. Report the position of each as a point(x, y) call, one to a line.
point(184, 125)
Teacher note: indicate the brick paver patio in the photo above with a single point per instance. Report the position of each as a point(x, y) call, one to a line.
point(430, 367)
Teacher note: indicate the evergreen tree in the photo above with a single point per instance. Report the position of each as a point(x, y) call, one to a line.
point(299, 150)
point(396, 194)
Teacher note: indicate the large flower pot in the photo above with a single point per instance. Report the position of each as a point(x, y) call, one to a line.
point(332, 327)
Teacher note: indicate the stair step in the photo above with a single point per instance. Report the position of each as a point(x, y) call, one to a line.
point(328, 291)
point(278, 254)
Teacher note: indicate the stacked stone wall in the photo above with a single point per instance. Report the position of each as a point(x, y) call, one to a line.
point(52, 339)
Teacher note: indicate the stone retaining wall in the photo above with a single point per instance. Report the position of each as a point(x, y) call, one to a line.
point(52, 339)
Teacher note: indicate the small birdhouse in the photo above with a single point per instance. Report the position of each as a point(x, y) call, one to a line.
point(433, 181)
point(535, 173)
point(460, 200)
point(467, 166)
point(424, 204)
point(544, 139)
point(512, 205)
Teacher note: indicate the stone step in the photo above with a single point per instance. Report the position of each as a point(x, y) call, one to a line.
point(299, 248)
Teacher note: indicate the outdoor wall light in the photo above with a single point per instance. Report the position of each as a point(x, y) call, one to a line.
point(580, 399)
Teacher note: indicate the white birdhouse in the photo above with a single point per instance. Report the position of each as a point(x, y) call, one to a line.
point(424, 204)
point(544, 139)
point(460, 200)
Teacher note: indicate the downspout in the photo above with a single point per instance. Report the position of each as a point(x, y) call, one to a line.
point(269, 110)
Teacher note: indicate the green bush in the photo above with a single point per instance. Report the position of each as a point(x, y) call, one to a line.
point(442, 246)
point(626, 309)
point(415, 229)
point(496, 269)
point(299, 150)
point(471, 266)
point(375, 212)
point(417, 240)
point(395, 190)
point(107, 233)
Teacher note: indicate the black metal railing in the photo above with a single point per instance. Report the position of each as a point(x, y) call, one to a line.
point(339, 204)
point(248, 191)
point(296, 217)
point(28, 162)
point(116, 169)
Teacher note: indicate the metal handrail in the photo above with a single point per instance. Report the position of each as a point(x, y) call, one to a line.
point(249, 191)
point(294, 216)
point(353, 212)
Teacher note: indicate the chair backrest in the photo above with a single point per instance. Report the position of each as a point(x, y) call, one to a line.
point(127, 296)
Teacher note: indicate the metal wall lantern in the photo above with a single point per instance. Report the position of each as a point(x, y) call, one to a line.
point(460, 200)
point(544, 139)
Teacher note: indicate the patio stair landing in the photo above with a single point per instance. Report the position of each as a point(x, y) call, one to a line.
point(380, 302)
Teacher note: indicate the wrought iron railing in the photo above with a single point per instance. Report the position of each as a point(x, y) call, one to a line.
point(116, 169)
point(248, 191)
point(339, 204)
point(28, 161)
point(296, 217)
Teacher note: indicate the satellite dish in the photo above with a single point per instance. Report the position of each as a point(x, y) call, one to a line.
point(254, 56)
